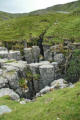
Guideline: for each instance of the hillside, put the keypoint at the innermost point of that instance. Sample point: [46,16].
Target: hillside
[69,7]
[61,104]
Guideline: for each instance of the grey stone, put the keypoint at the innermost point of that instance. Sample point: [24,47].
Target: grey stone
[3,49]
[32,54]
[59,58]
[4,54]
[4,109]
[15,55]
[36,53]
[46,75]
[60,83]
[28,55]
[48,55]
[3,82]
[9,92]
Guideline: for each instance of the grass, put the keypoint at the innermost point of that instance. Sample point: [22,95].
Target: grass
[63,104]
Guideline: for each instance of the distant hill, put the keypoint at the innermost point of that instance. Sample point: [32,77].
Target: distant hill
[69,7]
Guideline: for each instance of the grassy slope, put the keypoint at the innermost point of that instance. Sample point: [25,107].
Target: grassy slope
[67,28]
[63,104]
[24,26]
[32,26]
[27,26]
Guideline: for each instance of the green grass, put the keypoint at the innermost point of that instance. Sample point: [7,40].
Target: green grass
[63,104]
[67,28]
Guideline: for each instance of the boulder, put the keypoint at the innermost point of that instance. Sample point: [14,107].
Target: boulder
[4,109]
[9,92]
[60,83]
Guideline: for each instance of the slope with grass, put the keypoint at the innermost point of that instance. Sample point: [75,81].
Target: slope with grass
[68,28]
[61,104]
[69,7]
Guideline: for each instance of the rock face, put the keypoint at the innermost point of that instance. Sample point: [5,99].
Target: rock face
[11,73]
[32,54]
[57,84]
[41,75]
[46,75]
[26,78]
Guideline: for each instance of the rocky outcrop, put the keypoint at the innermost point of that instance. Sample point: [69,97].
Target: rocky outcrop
[4,53]
[32,54]
[56,84]
[26,78]
[40,75]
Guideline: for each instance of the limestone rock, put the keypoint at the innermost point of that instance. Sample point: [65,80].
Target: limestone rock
[32,54]
[46,75]
[4,109]
[15,55]
[3,82]
[59,58]
[36,53]
[9,92]
[28,55]
[60,83]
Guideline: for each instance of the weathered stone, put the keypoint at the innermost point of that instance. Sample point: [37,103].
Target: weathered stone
[59,58]
[32,54]
[36,53]
[4,109]
[2,62]
[28,55]
[3,82]
[48,55]
[46,75]
[9,92]
[60,83]
[3,54]
[3,49]
[12,78]
[15,55]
